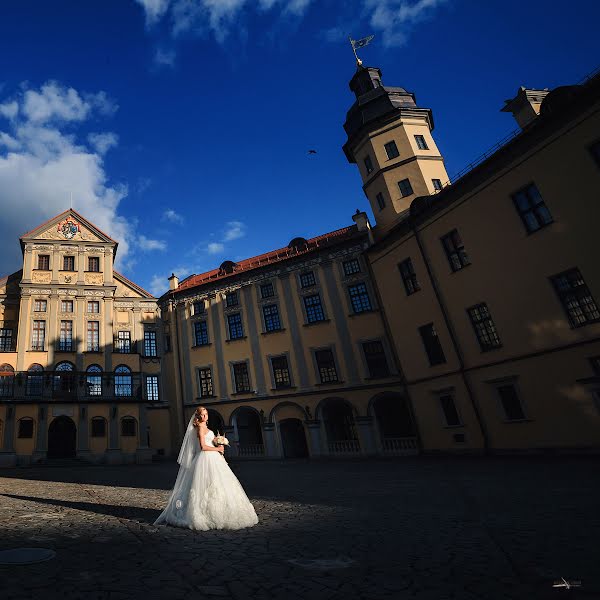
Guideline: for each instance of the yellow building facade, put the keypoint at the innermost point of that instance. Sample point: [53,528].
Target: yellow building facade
[79,351]
[465,319]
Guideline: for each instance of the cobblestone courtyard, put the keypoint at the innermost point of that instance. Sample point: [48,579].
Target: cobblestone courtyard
[425,528]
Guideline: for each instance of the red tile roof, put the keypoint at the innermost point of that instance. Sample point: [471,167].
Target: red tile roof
[269,258]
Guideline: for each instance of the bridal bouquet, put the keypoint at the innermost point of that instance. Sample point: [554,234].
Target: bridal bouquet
[220,440]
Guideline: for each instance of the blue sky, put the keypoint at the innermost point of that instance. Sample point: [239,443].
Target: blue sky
[182,127]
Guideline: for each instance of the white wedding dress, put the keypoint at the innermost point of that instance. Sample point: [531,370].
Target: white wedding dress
[207,495]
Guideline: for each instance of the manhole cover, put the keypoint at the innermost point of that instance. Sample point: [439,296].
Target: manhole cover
[25,556]
[322,564]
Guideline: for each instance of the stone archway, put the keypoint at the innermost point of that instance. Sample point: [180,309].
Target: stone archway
[62,438]
[293,438]
[397,431]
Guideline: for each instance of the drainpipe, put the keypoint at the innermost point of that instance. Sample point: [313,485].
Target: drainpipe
[453,337]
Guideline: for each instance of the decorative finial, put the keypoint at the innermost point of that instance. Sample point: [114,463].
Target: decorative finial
[359,44]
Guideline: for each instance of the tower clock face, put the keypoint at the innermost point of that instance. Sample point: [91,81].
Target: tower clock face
[68,228]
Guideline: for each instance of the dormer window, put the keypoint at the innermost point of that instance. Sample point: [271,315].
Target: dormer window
[68,263]
[94,264]
[44,262]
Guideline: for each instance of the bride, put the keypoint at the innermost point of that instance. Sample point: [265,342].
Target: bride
[206,495]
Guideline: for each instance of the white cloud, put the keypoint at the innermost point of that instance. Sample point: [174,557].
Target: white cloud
[215,248]
[172,216]
[154,10]
[9,109]
[395,19]
[41,166]
[103,142]
[146,244]
[234,231]
[218,17]
[158,285]
[164,58]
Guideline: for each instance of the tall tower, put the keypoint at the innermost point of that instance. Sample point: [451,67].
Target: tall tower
[389,138]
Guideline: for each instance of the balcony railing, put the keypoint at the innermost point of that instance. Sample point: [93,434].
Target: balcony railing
[399,446]
[344,447]
[251,450]
[70,386]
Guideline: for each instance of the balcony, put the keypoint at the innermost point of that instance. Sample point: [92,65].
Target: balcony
[71,386]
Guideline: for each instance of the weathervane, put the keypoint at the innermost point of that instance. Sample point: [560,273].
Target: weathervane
[359,44]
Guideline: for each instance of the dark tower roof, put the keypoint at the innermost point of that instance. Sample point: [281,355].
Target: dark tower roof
[375,105]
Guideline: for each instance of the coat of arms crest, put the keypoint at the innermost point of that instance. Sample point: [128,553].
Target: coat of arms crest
[68,228]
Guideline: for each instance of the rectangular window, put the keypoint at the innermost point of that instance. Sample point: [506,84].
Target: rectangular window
[359,298]
[93,336]
[351,266]
[281,372]
[167,343]
[409,277]
[241,377]
[485,330]
[455,250]
[376,359]
[68,263]
[421,143]
[44,262]
[201,333]
[94,264]
[232,299]
[25,428]
[267,290]
[368,164]
[314,310]
[234,324]
[432,344]
[123,345]
[93,306]
[326,366]
[66,306]
[40,306]
[437,184]
[198,307]
[271,316]
[576,298]
[150,343]
[595,152]
[6,340]
[511,404]
[152,388]
[206,383]
[450,412]
[65,343]
[307,279]
[38,335]
[98,427]
[531,208]
[405,188]
[391,150]
[380,201]
[128,427]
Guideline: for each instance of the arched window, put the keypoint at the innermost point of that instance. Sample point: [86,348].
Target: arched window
[64,379]
[128,427]
[123,381]
[94,380]
[7,380]
[35,380]
[98,427]
[25,428]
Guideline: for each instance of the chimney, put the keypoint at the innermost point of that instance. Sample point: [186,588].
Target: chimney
[525,106]
[173,282]
[362,223]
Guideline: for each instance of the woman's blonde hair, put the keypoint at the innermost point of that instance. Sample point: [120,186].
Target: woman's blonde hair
[197,414]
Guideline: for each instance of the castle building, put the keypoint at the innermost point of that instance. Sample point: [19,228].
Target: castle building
[79,350]
[465,319]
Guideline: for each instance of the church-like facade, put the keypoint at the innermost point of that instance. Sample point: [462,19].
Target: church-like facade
[464,320]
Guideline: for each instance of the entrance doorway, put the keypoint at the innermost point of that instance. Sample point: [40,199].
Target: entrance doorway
[293,438]
[62,438]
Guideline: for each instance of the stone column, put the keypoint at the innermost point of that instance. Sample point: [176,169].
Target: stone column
[27,264]
[8,458]
[53,325]
[143,453]
[113,453]
[268,431]
[83,434]
[231,434]
[314,438]
[366,435]
[41,440]
[80,333]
